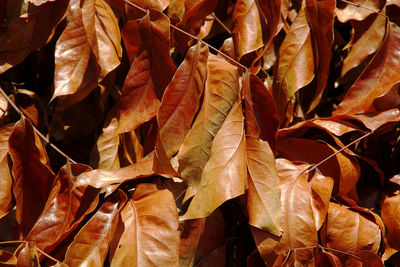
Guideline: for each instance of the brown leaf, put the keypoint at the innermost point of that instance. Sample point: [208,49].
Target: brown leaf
[224,176]
[221,90]
[359,10]
[67,206]
[295,65]
[131,35]
[102,32]
[367,37]
[343,168]
[390,216]
[189,240]
[149,232]
[263,196]
[105,153]
[179,106]
[348,231]
[28,255]
[7,258]
[271,10]
[320,18]
[150,73]
[29,32]
[304,206]
[6,180]
[76,71]
[181,99]
[100,178]
[32,174]
[91,243]
[246,33]
[381,74]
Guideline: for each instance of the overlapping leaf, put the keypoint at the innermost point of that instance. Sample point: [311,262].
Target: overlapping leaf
[90,245]
[148,233]
[5,175]
[220,94]
[32,174]
[381,74]
[224,175]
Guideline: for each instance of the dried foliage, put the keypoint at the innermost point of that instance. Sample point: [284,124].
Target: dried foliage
[199,133]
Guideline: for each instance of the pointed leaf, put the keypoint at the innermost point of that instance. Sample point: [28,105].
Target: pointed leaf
[6,180]
[382,73]
[367,37]
[29,32]
[320,18]
[102,32]
[150,234]
[221,90]
[295,65]
[91,243]
[32,174]
[347,230]
[28,255]
[76,71]
[100,178]
[224,177]
[247,34]
[67,206]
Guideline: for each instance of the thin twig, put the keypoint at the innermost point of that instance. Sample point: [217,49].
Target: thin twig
[193,37]
[365,7]
[221,23]
[21,113]
[337,152]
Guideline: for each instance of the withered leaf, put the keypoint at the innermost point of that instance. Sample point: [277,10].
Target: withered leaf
[224,176]
[381,74]
[32,174]
[295,65]
[246,33]
[26,34]
[220,93]
[149,231]
[347,230]
[91,243]
[66,208]
[6,180]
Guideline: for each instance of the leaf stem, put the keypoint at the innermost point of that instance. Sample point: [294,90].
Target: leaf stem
[221,23]
[21,113]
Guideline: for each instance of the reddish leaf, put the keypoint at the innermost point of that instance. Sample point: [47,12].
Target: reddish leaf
[67,206]
[5,175]
[189,240]
[32,174]
[149,232]
[181,99]
[346,230]
[28,33]
[131,35]
[367,38]
[224,176]
[320,18]
[7,258]
[150,73]
[179,105]
[382,73]
[90,245]
[343,168]
[271,10]
[100,178]
[295,65]
[370,259]
[220,93]
[263,197]
[246,34]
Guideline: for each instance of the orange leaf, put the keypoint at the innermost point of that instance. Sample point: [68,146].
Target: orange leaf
[224,176]
[149,232]
[91,243]
[220,93]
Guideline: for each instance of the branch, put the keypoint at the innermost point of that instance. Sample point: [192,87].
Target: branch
[47,141]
